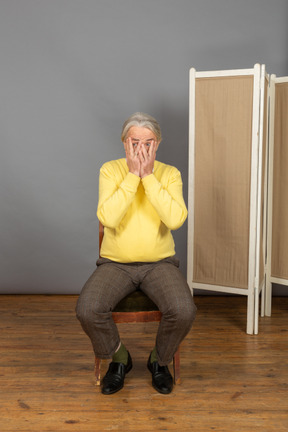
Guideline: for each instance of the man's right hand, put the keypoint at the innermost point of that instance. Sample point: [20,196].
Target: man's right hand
[132,157]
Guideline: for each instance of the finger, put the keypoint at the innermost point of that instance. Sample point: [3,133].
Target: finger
[154,147]
[143,154]
[138,149]
[130,145]
[130,148]
[127,146]
[149,149]
[140,152]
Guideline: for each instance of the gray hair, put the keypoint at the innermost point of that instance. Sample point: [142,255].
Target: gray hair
[142,120]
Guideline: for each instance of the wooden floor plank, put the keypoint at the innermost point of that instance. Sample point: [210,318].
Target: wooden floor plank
[230,380]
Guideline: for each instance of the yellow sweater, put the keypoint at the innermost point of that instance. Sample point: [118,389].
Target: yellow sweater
[138,215]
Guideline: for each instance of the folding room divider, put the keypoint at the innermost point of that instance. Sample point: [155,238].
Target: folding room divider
[277,239]
[227,178]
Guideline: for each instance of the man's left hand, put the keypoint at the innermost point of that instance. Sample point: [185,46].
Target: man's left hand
[147,158]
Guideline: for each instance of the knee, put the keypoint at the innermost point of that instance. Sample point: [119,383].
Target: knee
[89,311]
[80,311]
[84,311]
[192,311]
[184,313]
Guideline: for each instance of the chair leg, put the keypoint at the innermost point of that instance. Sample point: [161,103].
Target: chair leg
[176,367]
[97,370]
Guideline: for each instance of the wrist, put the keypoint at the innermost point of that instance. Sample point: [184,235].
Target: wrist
[137,173]
[146,174]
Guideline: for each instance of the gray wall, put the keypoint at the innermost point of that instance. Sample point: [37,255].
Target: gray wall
[71,72]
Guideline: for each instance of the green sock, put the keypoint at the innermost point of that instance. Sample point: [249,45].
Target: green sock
[153,357]
[121,355]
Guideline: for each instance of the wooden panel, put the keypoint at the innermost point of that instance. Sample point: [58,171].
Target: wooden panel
[223,134]
[279,258]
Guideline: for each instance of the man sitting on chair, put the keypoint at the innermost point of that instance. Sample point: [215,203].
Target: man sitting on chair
[140,202]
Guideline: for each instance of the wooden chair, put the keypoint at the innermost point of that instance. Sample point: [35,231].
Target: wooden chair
[136,307]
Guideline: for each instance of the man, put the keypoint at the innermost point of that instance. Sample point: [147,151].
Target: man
[140,202]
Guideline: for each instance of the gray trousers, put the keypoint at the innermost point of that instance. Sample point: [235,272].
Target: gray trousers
[112,281]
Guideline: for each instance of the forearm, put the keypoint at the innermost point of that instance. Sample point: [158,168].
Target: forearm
[114,200]
[168,203]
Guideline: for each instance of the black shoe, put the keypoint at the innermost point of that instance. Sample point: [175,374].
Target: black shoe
[162,380]
[113,381]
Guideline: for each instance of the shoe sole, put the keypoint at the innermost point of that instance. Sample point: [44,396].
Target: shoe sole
[161,391]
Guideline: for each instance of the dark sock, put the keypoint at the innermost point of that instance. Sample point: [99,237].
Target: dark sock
[153,357]
[121,356]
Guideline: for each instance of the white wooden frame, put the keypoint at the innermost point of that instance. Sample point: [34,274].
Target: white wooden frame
[255,286]
[260,285]
[269,279]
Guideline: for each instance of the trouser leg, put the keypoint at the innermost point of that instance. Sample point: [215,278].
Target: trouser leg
[103,290]
[167,287]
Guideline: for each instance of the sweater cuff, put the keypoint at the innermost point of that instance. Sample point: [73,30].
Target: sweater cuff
[150,182]
[131,182]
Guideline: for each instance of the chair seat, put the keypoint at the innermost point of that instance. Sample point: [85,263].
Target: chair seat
[136,302]
[136,307]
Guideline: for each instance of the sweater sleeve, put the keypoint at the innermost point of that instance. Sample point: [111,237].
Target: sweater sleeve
[168,201]
[115,198]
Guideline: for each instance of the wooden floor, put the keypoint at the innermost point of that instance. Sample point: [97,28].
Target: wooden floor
[230,381]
